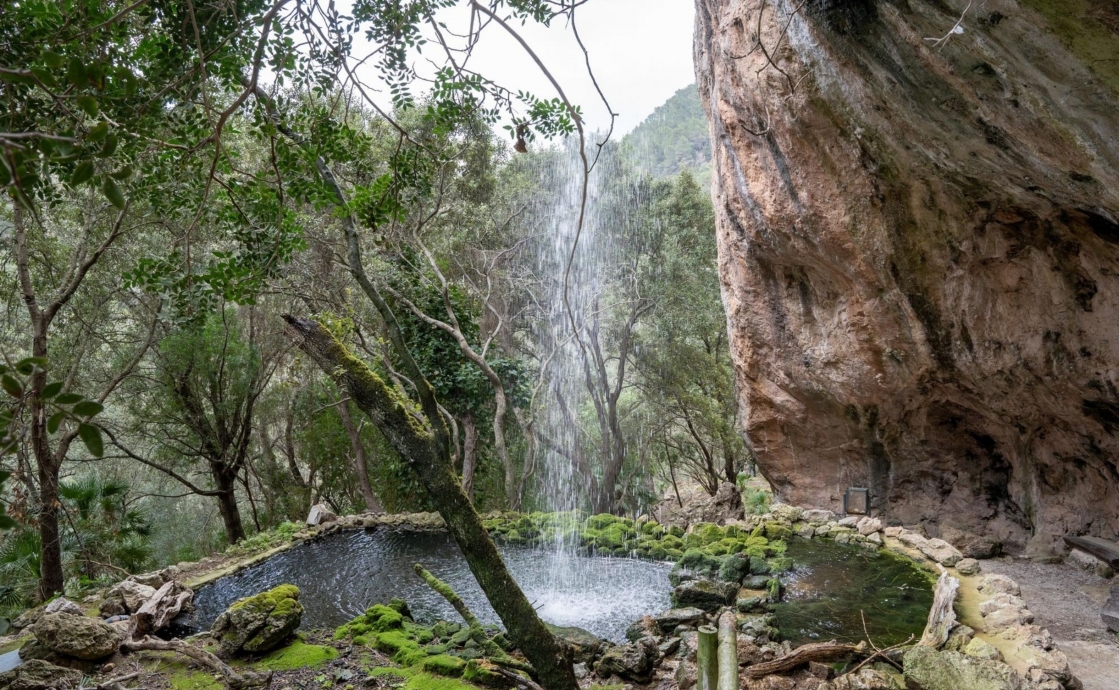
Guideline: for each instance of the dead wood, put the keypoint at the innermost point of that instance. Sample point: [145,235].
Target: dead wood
[823,651]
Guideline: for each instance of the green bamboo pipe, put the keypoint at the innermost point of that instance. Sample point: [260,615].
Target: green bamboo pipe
[707,658]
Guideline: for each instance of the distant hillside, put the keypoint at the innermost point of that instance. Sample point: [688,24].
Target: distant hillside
[674,137]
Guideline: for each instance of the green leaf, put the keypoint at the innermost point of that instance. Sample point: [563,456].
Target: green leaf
[27,365]
[6,522]
[113,193]
[98,132]
[4,474]
[88,104]
[55,421]
[53,59]
[91,437]
[11,386]
[82,173]
[109,148]
[52,389]
[69,399]
[75,72]
[122,174]
[88,408]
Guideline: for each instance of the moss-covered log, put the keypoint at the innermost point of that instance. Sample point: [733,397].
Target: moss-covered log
[477,633]
[414,438]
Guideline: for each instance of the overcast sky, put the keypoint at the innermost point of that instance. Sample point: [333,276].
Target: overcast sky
[641,53]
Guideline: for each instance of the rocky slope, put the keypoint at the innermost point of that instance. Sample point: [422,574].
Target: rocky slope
[917,242]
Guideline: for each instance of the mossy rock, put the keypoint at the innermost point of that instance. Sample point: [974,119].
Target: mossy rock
[780,565]
[700,561]
[601,521]
[775,530]
[676,531]
[377,618]
[259,623]
[443,665]
[658,553]
[653,529]
[674,554]
[734,568]
[672,541]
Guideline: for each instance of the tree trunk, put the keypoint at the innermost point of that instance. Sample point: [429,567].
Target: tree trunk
[226,483]
[50,565]
[469,456]
[416,441]
[371,503]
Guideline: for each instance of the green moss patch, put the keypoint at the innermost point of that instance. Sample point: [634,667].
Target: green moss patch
[297,655]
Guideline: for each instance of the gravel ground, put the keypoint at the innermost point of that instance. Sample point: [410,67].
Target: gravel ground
[1066,601]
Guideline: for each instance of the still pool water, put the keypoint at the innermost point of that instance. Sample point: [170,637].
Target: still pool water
[827,596]
[342,575]
[834,587]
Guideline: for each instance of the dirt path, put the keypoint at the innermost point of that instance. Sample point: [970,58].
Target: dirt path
[1067,600]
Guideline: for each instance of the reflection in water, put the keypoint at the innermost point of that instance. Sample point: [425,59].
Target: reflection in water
[834,586]
[340,576]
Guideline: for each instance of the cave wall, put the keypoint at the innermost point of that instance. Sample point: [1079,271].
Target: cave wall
[918,247]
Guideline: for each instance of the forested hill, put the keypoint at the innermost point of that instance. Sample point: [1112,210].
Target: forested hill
[674,137]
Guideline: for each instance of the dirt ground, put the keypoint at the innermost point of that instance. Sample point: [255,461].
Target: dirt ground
[1067,600]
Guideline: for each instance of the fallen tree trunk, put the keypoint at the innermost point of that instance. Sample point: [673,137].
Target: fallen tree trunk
[824,651]
[942,615]
[234,679]
[418,442]
[160,609]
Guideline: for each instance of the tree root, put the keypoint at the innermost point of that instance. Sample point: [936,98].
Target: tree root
[234,679]
[492,651]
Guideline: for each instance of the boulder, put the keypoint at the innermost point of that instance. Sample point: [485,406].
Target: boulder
[971,545]
[320,515]
[705,594]
[817,517]
[968,566]
[40,675]
[941,551]
[933,670]
[584,646]
[850,521]
[668,620]
[1110,612]
[63,605]
[868,526]
[77,636]
[761,627]
[981,649]
[125,598]
[996,584]
[646,626]
[786,512]
[259,623]
[632,661]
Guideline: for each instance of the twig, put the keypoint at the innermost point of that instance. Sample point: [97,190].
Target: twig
[956,29]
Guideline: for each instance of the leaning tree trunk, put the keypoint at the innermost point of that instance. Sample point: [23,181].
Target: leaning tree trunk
[918,226]
[415,441]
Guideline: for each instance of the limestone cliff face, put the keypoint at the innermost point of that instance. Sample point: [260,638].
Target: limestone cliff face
[919,250]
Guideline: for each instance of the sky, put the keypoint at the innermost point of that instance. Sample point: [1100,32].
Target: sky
[640,51]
